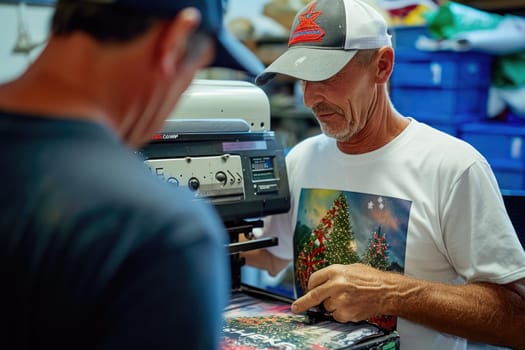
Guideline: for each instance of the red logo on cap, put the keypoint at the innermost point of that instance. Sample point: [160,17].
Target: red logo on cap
[307,30]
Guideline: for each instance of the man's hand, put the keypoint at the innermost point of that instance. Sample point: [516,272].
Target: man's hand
[353,292]
[480,311]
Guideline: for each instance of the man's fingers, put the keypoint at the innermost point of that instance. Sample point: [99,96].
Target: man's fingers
[303,303]
[318,290]
[318,277]
[311,299]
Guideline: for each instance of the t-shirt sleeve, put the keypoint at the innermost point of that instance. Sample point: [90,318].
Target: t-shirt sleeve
[480,240]
[280,226]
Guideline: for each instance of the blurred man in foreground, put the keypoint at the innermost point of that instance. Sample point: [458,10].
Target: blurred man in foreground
[95,251]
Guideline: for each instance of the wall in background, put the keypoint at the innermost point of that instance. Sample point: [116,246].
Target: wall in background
[14,18]
[244,8]
[35,16]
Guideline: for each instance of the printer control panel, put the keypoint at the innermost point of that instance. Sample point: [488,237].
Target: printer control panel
[211,177]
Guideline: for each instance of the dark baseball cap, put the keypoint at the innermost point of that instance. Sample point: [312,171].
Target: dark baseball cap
[325,36]
[231,53]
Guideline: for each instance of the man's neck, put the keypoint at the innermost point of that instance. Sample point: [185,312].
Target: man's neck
[383,125]
[65,84]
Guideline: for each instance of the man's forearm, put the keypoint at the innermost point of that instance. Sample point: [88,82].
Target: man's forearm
[263,259]
[480,312]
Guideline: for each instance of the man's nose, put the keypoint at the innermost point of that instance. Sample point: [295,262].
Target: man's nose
[311,93]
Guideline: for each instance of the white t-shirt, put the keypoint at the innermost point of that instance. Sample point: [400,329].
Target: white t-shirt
[433,198]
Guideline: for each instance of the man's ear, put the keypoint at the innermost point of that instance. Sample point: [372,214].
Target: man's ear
[385,64]
[174,40]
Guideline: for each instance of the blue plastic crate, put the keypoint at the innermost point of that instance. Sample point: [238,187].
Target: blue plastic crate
[441,105]
[405,37]
[496,141]
[441,69]
[513,118]
[510,174]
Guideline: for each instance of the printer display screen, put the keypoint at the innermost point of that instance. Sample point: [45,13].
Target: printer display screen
[263,168]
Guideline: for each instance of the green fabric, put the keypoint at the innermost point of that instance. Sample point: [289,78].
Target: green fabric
[452,18]
[509,70]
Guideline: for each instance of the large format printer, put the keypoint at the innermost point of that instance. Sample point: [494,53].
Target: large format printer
[218,143]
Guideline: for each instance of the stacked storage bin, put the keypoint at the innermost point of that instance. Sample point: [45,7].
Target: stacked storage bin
[444,89]
[503,144]
[449,90]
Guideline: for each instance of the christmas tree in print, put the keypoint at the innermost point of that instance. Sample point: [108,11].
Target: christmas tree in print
[377,253]
[330,242]
[341,248]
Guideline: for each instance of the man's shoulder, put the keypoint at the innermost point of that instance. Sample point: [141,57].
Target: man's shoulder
[314,143]
[438,142]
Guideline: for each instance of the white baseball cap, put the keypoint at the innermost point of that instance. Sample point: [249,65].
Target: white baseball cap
[325,36]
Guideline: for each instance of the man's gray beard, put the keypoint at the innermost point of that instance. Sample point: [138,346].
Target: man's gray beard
[342,136]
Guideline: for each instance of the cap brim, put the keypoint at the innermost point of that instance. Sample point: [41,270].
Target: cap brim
[231,53]
[307,63]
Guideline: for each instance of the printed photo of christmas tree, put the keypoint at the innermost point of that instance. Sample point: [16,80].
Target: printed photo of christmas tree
[337,227]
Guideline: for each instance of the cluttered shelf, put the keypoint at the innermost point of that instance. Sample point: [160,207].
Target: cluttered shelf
[462,72]
[507,6]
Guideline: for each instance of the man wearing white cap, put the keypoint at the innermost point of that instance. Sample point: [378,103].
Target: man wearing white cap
[390,217]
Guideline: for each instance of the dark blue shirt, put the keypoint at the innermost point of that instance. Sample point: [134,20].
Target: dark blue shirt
[98,253]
